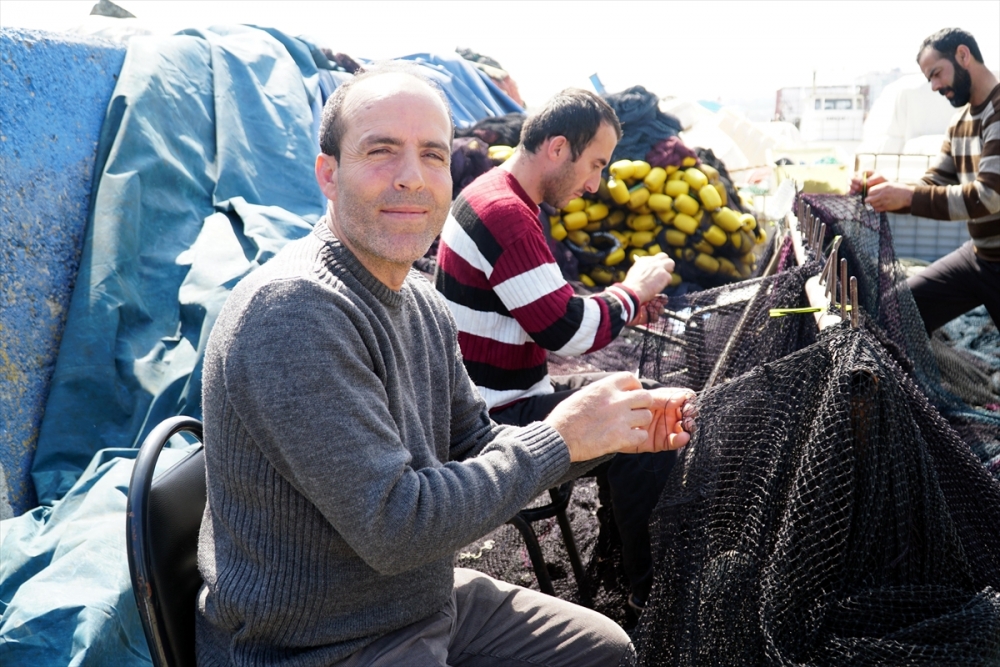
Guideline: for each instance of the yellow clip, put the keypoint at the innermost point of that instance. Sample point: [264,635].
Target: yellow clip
[781,312]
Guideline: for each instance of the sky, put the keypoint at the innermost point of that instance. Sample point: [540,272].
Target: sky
[721,51]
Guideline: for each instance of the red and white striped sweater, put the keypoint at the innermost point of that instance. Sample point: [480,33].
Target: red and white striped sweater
[509,299]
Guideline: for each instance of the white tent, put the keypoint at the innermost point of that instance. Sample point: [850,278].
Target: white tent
[908,117]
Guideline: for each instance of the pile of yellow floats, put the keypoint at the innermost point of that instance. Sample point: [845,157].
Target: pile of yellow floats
[643,210]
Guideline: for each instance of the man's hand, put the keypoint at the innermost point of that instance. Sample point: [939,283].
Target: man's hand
[649,311]
[890,196]
[616,414]
[673,419]
[865,181]
[606,417]
[649,275]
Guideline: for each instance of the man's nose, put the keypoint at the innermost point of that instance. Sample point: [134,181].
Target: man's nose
[410,174]
[593,183]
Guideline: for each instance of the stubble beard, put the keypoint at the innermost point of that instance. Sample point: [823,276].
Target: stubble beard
[558,188]
[358,220]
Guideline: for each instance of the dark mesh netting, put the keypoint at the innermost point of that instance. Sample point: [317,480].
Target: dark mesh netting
[867,244]
[709,336]
[966,375]
[824,515]
[712,335]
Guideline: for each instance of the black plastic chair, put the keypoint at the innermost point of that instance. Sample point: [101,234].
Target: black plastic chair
[162,524]
[523,521]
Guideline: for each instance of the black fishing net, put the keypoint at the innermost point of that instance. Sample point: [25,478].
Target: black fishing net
[643,124]
[975,341]
[824,514]
[496,130]
[965,375]
[712,335]
[867,244]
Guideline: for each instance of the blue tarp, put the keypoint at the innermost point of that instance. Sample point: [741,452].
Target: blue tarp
[472,94]
[197,127]
[65,594]
[204,170]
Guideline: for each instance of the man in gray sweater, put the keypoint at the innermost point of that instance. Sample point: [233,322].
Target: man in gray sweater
[348,454]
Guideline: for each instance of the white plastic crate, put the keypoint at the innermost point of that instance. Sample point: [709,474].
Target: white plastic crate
[926,239]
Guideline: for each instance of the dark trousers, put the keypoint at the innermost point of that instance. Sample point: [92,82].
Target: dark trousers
[634,480]
[955,284]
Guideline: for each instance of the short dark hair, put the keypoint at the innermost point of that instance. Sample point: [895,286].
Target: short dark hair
[331,127]
[947,41]
[574,113]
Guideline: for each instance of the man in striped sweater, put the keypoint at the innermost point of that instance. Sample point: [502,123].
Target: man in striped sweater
[963,184]
[512,305]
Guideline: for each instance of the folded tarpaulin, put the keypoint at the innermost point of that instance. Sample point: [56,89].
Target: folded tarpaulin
[472,94]
[65,592]
[208,126]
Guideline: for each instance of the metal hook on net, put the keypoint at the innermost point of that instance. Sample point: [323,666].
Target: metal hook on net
[800,214]
[851,306]
[808,226]
[821,288]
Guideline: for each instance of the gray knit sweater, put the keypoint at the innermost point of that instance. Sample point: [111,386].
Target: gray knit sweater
[348,457]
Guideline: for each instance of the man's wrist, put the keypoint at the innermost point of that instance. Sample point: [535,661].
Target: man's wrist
[631,299]
[920,201]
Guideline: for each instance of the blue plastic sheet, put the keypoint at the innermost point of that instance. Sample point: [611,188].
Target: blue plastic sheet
[198,125]
[65,593]
[472,94]
[204,170]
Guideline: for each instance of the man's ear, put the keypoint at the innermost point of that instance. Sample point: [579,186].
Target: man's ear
[962,55]
[326,175]
[557,148]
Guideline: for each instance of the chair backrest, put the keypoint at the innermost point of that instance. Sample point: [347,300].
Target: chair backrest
[162,524]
